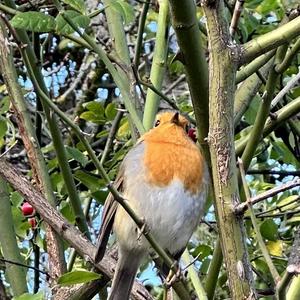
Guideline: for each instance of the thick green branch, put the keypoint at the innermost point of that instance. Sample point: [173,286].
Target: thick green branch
[291,109]
[188,34]
[123,85]
[16,275]
[254,66]
[158,64]
[270,40]
[223,66]
[246,92]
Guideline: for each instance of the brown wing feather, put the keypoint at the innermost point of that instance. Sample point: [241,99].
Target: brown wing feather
[108,216]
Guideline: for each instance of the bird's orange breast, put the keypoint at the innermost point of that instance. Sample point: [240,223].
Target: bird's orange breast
[170,154]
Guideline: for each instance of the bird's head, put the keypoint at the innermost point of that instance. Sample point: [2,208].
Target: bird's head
[171,118]
[170,127]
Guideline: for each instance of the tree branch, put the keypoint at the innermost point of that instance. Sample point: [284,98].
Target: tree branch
[270,40]
[270,193]
[67,231]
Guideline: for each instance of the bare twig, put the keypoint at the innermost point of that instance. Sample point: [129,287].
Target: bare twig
[23,265]
[272,192]
[274,172]
[286,89]
[235,17]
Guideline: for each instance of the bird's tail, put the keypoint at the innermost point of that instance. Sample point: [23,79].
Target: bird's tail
[127,267]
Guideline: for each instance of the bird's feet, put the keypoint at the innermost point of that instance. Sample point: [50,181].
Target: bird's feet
[172,277]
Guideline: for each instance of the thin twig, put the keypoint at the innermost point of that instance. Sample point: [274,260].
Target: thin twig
[235,17]
[270,193]
[25,266]
[286,89]
[111,135]
[274,172]
[139,40]
[9,148]
[263,248]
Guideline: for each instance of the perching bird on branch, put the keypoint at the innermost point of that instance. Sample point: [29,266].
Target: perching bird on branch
[164,178]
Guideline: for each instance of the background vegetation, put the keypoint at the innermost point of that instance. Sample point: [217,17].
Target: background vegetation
[81,81]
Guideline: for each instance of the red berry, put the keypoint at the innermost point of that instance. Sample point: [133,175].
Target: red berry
[192,134]
[32,222]
[27,209]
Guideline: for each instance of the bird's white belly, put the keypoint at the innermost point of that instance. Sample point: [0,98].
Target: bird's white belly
[171,214]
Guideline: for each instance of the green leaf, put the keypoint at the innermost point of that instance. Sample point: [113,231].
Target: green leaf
[77,5]
[67,211]
[3,127]
[275,248]
[96,107]
[91,182]
[92,117]
[77,276]
[288,203]
[102,133]
[77,155]
[16,199]
[100,196]
[202,251]
[4,105]
[111,111]
[124,9]
[62,27]
[27,296]
[33,21]
[269,230]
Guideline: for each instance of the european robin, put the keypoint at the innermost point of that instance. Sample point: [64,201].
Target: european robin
[164,179]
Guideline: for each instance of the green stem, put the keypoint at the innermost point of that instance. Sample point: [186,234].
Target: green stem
[262,114]
[270,40]
[247,91]
[8,9]
[139,40]
[283,284]
[259,237]
[185,24]
[288,111]
[16,275]
[293,292]
[213,272]
[252,67]
[158,64]
[288,58]
[123,85]
[199,290]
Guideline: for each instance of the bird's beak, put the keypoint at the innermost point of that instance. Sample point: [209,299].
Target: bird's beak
[175,118]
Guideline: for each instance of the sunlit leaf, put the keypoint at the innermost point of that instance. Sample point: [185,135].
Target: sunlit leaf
[33,21]
[77,276]
[275,247]
[63,27]
[78,5]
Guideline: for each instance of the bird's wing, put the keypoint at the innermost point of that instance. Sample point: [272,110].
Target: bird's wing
[108,216]
[110,207]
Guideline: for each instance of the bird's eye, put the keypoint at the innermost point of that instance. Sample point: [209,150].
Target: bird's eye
[187,128]
[157,123]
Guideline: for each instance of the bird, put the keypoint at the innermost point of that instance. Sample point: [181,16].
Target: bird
[164,178]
